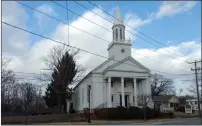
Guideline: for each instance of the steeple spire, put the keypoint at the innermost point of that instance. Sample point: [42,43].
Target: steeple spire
[118,16]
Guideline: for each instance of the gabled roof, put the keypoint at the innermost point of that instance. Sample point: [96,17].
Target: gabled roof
[94,70]
[128,58]
[110,67]
[102,64]
[82,80]
[162,98]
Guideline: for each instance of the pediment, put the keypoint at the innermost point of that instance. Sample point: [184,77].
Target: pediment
[127,64]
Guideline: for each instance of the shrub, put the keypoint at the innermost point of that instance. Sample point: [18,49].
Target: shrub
[119,113]
[72,111]
[150,113]
[135,112]
[129,113]
[157,114]
[181,109]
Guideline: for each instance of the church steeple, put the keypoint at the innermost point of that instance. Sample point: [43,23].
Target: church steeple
[118,28]
[118,16]
[119,48]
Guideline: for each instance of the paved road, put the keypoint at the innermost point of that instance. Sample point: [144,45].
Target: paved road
[193,121]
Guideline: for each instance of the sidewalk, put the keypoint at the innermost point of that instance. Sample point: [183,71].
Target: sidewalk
[117,122]
[106,122]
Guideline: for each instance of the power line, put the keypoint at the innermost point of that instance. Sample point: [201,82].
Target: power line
[93,82]
[67,23]
[137,30]
[61,21]
[183,74]
[110,31]
[71,26]
[74,47]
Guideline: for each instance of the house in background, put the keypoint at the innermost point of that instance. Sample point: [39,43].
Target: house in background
[166,103]
[116,82]
[194,105]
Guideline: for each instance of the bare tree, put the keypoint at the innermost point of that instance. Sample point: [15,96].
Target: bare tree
[161,85]
[144,100]
[51,62]
[7,83]
[28,95]
[16,101]
[180,91]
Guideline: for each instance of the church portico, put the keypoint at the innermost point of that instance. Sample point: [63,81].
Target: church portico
[124,91]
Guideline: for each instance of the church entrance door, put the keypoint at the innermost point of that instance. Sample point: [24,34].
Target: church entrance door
[126,100]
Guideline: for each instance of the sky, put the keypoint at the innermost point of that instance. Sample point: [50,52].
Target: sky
[174,24]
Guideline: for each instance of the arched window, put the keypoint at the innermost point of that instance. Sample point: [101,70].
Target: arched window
[123,34]
[113,35]
[120,34]
[116,34]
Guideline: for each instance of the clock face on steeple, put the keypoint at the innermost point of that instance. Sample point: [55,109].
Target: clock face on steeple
[122,50]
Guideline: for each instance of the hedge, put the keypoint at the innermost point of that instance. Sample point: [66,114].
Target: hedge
[128,113]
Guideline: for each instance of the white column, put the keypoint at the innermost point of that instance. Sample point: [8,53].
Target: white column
[67,106]
[117,99]
[109,93]
[131,98]
[148,86]
[122,92]
[135,90]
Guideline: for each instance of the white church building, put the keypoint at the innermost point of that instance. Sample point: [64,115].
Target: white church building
[116,82]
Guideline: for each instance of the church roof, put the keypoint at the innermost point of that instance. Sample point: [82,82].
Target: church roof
[90,73]
[110,67]
[118,16]
[122,61]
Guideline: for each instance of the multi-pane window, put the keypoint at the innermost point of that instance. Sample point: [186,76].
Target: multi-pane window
[87,92]
[113,35]
[82,95]
[116,34]
[123,35]
[120,34]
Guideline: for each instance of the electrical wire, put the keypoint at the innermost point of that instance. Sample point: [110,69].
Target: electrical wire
[74,47]
[112,32]
[136,30]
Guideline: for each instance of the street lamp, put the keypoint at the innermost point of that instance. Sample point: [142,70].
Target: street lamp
[89,88]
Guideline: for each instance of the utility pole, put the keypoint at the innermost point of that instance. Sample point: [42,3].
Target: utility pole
[197,86]
[89,88]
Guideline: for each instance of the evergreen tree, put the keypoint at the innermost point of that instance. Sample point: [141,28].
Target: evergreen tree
[58,90]
[50,96]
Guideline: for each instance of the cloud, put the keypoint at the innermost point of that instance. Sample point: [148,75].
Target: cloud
[14,41]
[170,8]
[178,65]
[131,19]
[167,8]
[41,19]
[30,59]
[168,42]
